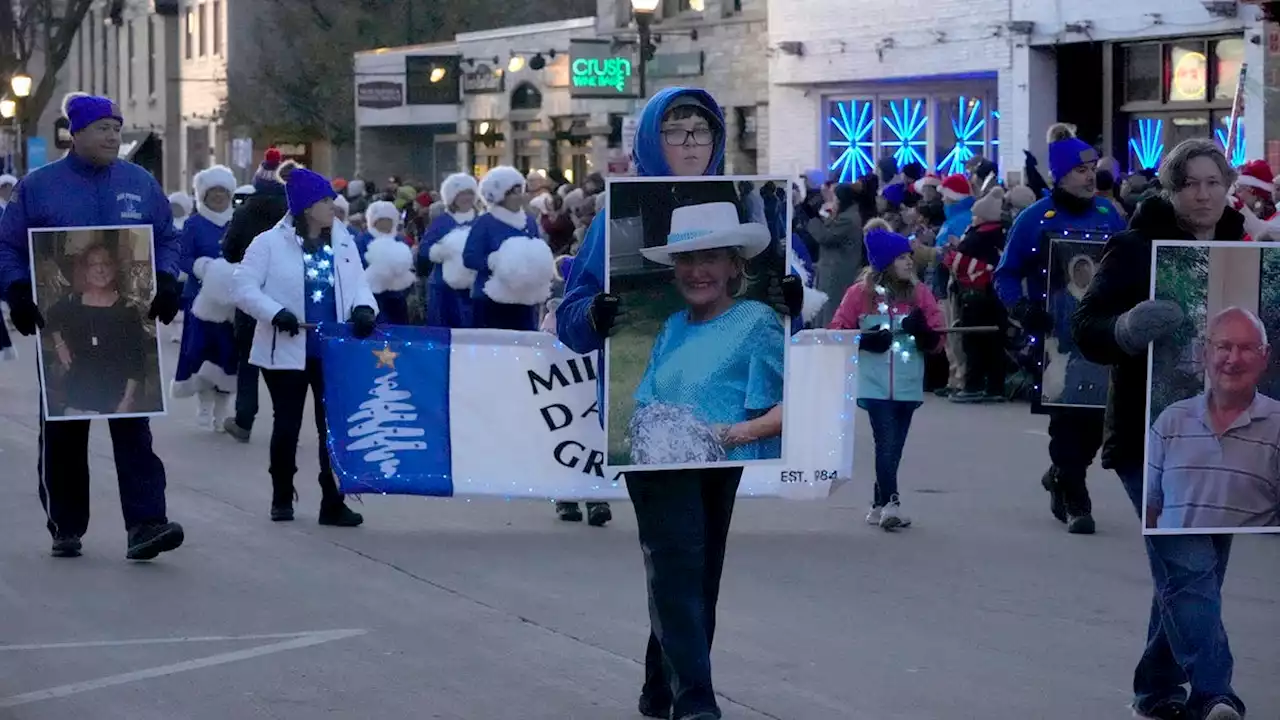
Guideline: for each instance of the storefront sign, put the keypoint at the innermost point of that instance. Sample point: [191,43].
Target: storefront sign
[598,69]
[380,95]
[483,79]
[674,65]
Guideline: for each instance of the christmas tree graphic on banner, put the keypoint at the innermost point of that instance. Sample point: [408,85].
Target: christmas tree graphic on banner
[385,423]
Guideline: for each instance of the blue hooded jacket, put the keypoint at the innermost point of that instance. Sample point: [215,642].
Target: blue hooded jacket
[71,192]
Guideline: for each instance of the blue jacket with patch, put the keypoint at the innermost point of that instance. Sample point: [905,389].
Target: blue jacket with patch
[71,192]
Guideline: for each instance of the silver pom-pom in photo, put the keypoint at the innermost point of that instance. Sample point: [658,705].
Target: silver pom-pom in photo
[663,434]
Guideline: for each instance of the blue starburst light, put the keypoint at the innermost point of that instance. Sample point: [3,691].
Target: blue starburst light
[1148,145]
[1238,156]
[906,124]
[967,124]
[852,123]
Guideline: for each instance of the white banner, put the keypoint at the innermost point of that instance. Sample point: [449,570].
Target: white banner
[524,419]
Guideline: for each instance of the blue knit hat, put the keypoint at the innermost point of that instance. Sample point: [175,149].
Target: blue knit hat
[1067,152]
[883,247]
[306,188]
[83,110]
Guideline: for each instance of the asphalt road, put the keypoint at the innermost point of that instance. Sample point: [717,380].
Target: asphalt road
[488,609]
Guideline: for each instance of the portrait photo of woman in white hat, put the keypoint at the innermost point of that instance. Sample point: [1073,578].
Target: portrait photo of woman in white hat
[696,376]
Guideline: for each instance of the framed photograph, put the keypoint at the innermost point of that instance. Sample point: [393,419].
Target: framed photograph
[99,355]
[1213,438]
[1067,379]
[695,372]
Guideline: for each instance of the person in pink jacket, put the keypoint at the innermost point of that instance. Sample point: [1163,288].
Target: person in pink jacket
[900,322]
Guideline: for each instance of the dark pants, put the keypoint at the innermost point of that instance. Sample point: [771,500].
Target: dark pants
[1186,640]
[64,474]
[890,423]
[288,390]
[1075,435]
[683,518]
[500,316]
[983,352]
[393,307]
[246,374]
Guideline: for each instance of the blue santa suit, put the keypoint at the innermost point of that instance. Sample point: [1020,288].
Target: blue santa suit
[207,358]
[393,305]
[446,306]
[71,192]
[487,235]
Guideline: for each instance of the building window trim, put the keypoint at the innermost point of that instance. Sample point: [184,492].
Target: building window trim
[151,57]
[202,29]
[130,55]
[215,16]
[190,33]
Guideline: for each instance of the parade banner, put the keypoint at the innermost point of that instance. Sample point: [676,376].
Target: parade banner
[429,411]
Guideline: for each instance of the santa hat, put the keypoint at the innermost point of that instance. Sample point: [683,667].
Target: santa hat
[924,182]
[182,200]
[218,176]
[1257,174]
[382,210]
[456,184]
[956,187]
[990,207]
[499,181]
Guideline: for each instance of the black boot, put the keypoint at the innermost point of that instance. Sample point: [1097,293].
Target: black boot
[66,546]
[1078,505]
[282,503]
[598,514]
[337,514]
[148,541]
[1049,481]
[568,512]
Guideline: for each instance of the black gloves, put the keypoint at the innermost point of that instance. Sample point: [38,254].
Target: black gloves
[1032,318]
[875,341]
[787,295]
[286,322]
[424,265]
[915,325]
[605,313]
[363,320]
[168,299]
[22,308]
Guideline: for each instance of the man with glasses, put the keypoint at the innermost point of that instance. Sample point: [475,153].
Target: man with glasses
[1214,459]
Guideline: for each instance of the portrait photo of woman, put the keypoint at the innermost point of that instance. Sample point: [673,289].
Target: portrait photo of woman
[99,354]
[695,371]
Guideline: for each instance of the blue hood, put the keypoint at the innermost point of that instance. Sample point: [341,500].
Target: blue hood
[647,153]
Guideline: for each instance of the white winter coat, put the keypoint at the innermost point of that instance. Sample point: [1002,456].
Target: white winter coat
[270,279]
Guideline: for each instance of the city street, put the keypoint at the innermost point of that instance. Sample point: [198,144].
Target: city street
[491,609]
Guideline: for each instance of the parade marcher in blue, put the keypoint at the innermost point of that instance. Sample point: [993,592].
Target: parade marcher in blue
[207,360]
[306,269]
[181,205]
[91,186]
[514,266]
[7,184]
[683,516]
[1075,433]
[440,255]
[388,262]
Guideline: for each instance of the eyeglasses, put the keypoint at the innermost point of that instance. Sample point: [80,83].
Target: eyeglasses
[680,136]
[1246,350]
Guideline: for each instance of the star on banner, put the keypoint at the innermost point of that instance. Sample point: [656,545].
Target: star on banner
[386,357]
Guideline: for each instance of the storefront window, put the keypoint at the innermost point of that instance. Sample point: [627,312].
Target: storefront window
[959,132]
[1188,71]
[1228,56]
[903,132]
[1142,71]
[1221,123]
[851,138]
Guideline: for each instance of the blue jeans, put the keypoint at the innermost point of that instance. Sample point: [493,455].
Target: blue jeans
[890,422]
[683,518]
[1186,641]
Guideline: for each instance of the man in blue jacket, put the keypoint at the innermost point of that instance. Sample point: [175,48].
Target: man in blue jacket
[683,516]
[1075,434]
[91,186]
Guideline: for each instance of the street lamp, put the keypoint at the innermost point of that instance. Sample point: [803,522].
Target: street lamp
[21,85]
[8,108]
[643,11]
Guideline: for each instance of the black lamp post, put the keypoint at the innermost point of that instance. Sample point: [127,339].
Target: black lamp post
[643,11]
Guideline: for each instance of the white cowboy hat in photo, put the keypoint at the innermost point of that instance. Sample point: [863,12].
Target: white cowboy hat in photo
[706,227]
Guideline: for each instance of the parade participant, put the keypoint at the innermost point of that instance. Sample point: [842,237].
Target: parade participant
[91,186]
[1253,198]
[683,516]
[7,183]
[900,323]
[513,265]
[1075,433]
[449,297]
[207,359]
[1114,325]
[259,213]
[180,205]
[305,269]
[388,261]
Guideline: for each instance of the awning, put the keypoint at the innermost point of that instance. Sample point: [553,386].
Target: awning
[132,142]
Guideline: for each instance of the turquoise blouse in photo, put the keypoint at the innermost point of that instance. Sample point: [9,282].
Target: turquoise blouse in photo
[728,369]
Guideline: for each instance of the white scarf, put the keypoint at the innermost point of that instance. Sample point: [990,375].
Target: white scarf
[514,218]
[462,216]
[217,218]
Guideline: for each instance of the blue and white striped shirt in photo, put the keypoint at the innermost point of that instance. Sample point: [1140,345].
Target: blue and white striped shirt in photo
[1202,480]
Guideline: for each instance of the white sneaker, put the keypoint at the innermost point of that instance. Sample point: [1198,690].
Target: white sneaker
[873,517]
[221,411]
[891,517]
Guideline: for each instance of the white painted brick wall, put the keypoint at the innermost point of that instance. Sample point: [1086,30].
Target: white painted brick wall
[1122,19]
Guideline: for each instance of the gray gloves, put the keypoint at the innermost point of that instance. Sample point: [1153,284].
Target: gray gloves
[1145,323]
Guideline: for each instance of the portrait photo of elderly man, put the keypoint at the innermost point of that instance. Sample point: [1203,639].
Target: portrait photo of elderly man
[1213,460]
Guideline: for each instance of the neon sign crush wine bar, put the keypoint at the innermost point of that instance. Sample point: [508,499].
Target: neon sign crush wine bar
[600,69]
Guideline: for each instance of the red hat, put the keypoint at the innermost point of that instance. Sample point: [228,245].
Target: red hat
[956,187]
[1257,174]
[423,199]
[271,159]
